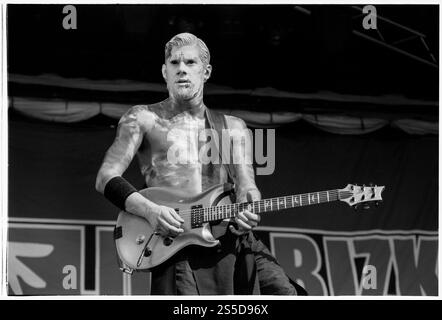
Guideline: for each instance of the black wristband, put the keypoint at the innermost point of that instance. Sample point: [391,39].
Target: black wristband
[117,190]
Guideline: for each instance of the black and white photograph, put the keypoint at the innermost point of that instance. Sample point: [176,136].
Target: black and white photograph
[252,149]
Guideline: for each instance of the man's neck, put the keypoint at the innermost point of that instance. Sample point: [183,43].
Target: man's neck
[195,107]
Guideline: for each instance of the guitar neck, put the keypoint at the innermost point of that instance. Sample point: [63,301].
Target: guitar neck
[227,211]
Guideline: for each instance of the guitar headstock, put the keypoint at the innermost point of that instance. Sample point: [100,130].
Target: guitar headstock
[355,195]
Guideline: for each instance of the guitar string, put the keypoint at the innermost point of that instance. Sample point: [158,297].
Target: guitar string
[263,201]
[206,211]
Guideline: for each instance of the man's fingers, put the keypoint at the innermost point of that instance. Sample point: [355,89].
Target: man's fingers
[253,195]
[161,227]
[175,230]
[170,218]
[248,217]
[243,224]
[242,216]
[166,228]
[176,215]
[251,216]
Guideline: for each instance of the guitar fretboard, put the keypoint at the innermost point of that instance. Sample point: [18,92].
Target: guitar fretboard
[227,211]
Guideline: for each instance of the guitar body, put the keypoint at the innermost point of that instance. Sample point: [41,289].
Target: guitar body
[140,248]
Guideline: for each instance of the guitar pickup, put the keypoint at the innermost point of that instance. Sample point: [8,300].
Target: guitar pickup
[197,216]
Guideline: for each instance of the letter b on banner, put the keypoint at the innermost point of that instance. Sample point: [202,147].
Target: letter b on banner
[300,257]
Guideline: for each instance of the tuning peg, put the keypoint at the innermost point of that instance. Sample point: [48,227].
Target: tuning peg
[366,206]
[356,207]
[376,203]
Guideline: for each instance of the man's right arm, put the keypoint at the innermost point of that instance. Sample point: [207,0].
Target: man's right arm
[129,136]
[132,127]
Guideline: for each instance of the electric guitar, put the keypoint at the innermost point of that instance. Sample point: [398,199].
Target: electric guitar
[140,247]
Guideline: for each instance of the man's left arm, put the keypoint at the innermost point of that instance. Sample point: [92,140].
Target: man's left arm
[245,186]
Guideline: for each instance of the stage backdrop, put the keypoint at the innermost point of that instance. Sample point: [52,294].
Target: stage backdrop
[60,228]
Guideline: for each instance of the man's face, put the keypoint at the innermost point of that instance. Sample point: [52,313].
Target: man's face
[185,73]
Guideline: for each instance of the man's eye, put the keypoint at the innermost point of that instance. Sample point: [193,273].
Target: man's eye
[174,62]
[190,61]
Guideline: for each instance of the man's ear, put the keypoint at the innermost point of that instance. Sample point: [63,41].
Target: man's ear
[207,72]
[163,71]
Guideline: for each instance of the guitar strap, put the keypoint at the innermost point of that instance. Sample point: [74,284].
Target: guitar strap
[217,121]
[245,274]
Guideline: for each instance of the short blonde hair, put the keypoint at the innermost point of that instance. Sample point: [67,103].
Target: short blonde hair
[187,39]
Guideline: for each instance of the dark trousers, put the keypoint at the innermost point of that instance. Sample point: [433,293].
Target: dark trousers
[241,265]
[272,278]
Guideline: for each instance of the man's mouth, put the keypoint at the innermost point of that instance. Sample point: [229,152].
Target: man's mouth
[183,81]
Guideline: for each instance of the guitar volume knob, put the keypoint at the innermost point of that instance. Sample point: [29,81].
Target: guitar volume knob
[147,252]
[167,241]
[140,239]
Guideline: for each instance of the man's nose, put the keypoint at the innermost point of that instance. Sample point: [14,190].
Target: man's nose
[182,67]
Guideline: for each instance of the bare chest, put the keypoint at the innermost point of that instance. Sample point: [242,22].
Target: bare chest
[180,134]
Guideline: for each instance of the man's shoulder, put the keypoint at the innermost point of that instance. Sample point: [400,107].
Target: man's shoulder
[231,122]
[146,110]
[137,109]
[234,122]
[144,115]
[157,108]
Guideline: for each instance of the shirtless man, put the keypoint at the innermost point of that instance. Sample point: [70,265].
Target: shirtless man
[146,130]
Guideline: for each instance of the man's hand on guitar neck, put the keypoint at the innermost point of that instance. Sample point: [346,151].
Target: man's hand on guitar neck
[246,220]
